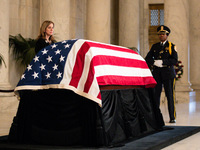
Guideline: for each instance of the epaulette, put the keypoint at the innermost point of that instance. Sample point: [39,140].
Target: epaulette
[170,47]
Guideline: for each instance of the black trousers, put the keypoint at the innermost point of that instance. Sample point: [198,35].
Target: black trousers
[169,87]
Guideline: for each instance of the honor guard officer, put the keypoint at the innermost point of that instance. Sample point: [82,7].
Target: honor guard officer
[161,59]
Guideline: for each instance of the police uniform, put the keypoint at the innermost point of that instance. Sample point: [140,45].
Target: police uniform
[165,73]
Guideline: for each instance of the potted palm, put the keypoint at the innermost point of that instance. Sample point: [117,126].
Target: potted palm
[23,49]
[134,48]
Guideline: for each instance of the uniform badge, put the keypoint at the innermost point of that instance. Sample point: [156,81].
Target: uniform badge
[161,51]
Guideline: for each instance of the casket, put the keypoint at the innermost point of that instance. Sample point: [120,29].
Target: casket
[81,92]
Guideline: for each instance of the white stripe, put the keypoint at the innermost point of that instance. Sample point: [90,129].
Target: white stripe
[86,68]
[70,62]
[103,51]
[94,89]
[121,71]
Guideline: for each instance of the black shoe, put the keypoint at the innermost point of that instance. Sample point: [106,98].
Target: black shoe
[172,121]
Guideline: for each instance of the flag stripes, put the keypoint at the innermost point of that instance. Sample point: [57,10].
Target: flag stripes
[83,65]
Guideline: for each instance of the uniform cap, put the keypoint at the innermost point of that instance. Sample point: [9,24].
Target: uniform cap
[163,29]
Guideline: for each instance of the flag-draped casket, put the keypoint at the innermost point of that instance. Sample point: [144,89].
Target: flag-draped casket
[83,66]
[61,91]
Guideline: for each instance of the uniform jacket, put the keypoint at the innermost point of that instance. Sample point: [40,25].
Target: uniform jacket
[158,52]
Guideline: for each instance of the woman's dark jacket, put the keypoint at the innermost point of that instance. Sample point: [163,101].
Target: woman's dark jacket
[40,44]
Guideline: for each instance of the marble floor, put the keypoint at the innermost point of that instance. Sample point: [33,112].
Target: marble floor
[188,114]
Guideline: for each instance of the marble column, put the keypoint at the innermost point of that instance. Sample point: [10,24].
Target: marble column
[24,19]
[57,11]
[4,49]
[77,18]
[177,19]
[194,44]
[129,23]
[98,20]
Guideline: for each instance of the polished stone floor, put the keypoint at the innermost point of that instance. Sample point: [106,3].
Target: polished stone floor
[188,114]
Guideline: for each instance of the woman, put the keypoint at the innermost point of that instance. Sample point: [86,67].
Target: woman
[45,37]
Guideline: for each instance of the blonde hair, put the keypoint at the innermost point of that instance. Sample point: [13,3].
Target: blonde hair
[43,27]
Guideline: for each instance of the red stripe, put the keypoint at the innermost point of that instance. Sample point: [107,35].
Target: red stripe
[79,64]
[121,80]
[103,60]
[99,95]
[111,47]
[90,77]
[118,61]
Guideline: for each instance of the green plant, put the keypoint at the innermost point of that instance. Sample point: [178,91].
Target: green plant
[134,48]
[2,60]
[23,49]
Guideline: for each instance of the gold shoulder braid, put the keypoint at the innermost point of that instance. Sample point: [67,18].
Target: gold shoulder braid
[170,48]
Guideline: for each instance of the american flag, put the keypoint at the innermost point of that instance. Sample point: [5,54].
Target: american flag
[82,66]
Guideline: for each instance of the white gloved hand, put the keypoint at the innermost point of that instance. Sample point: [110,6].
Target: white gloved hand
[158,63]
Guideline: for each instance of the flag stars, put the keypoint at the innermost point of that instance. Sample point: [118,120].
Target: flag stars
[42,67]
[54,46]
[59,75]
[36,58]
[44,51]
[48,75]
[49,59]
[67,45]
[57,51]
[29,67]
[35,75]
[55,67]
[62,58]
[23,76]
[64,41]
